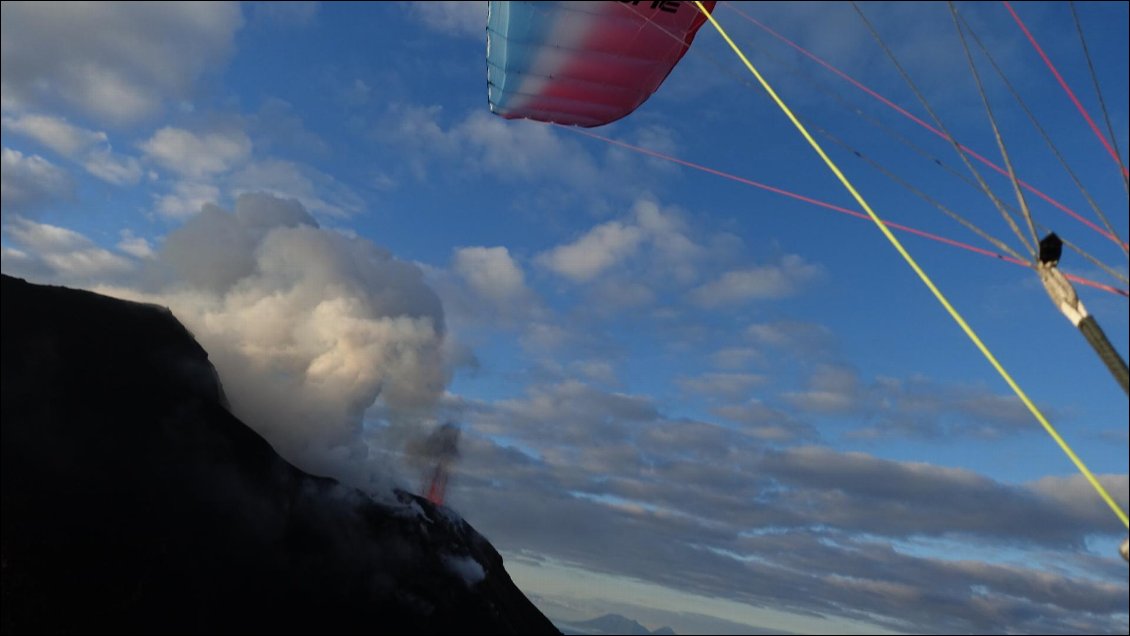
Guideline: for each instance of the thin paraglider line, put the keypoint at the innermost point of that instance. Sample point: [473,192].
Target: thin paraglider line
[909,143]
[1021,201]
[905,113]
[835,208]
[1066,88]
[1044,133]
[923,276]
[995,242]
[1099,94]
[981,183]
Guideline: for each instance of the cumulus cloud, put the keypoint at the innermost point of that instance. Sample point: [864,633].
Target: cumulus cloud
[27,182]
[546,336]
[278,126]
[197,156]
[484,143]
[671,252]
[722,385]
[806,529]
[598,371]
[114,62]
[491,272]
[319,192]
[186,199]
[568,411]
[792,335]
[208,164]
[597,250]
[285,14]
[832,389]
[764,422]
[736,357]
[113,168]
[89,148]
[484,146]
[60,254]
[738,514]
[453,18]
[765,282]
[483,290]
[1076,494]
[914,407]
[55,133]
[887,496]
[136,246]
[307,327]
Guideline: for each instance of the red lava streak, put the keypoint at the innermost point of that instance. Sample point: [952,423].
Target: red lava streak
[437,485]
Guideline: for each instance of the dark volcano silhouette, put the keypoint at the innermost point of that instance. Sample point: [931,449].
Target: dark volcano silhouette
[133,501]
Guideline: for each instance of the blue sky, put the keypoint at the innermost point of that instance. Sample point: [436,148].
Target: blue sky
[684,399]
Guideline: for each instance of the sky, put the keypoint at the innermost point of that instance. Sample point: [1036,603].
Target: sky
[680,397]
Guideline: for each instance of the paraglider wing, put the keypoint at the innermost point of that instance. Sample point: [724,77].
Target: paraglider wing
[583,63]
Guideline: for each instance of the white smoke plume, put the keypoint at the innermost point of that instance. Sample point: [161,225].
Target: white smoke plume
[307,327]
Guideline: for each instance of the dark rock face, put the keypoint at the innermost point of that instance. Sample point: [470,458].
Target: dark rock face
[133,501]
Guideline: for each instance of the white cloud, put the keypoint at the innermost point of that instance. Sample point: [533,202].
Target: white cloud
[318,191]
[116,62]
[453,18]
[1077,495]
[218,162]
[569,412]
[482,142]
[27,182]
[913,407]
[136,246]
[599,249]
[491,272]
[485,289]
[763,422]
[766,282]
[790,334]
[831,389]
[56,133]
[87,147]
[187,199]
[744,519]
[516,149]
[725,385]
[736,357]
[277,126]
[601,371]
[285,14]
[676,253]
[197,156]
[614,295]
[545,336]
[659,234]
[65,255]
[113,168]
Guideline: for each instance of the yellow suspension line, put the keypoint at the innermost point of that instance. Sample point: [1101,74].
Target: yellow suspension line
[922,275]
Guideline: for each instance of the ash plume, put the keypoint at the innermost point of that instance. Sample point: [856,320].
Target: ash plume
[307,327]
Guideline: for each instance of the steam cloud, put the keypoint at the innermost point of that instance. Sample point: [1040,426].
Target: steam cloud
[307,327]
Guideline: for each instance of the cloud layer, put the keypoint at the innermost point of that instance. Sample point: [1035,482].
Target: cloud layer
[115,63]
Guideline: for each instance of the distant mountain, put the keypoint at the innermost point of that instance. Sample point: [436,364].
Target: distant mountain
[611,624]
[134,502]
